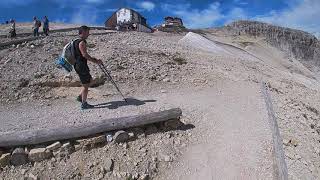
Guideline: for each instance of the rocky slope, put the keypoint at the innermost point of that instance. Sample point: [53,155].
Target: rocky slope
[191,72]
[299,44]
[28,69]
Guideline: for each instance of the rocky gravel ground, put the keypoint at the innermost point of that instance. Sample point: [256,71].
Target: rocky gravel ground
[29,71]
[298,119]
[145,66]
[143,154]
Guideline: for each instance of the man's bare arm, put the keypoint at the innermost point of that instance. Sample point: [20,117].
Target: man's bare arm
[83,50]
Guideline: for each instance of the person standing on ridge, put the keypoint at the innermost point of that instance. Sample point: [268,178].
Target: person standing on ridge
[13,28]
[46,25]
[36,25]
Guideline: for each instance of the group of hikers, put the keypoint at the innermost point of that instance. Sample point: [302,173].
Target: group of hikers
[35,26]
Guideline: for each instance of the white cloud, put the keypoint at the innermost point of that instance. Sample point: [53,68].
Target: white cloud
[302,14]
[85,15]
[240,2]
[8,3]
[94,1]
[195,18]
[209,17]
[86,11]
[236,14]
[110,10]
[60,20]
[146,5]
[78,3]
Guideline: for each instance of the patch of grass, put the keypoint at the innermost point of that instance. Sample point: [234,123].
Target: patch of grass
[245,43]
[120,67]
[312,109]
[170,63]
[91,45]
[161,54]
[180,60]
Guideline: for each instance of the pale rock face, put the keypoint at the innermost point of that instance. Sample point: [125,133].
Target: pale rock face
[299,44]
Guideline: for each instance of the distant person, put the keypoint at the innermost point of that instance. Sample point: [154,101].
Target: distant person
[134,26]
[36,26]
[46,25]
[13,28]
[81,65]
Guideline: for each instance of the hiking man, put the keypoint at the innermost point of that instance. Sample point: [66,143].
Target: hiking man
[13,28]
[81,65]
[36,25]
[45,25]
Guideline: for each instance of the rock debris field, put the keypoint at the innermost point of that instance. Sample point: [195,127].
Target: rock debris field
[213,75]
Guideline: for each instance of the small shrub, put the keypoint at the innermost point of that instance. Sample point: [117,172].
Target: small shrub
[180,60]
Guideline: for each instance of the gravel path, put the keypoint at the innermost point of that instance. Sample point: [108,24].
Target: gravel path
[231,137]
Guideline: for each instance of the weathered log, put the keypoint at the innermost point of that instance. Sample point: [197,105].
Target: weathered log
[29,137]
[27,39]
[19,41]
[280,169]
[59,30]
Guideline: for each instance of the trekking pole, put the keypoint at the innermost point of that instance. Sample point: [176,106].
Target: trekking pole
[105,71]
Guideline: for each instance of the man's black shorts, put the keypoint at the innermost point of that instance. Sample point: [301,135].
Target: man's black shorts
[83,71]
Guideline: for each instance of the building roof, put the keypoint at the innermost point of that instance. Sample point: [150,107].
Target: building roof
[174,18]
[133,11]
[124,8]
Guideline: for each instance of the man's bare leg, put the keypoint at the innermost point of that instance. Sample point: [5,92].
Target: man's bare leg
[84,92]
[84,95]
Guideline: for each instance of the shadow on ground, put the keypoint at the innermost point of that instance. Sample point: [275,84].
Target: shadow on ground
[128,102]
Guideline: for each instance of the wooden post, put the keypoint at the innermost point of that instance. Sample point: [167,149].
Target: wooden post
[279,163]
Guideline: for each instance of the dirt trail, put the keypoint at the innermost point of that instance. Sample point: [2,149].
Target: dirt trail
[231,138]
[234,139]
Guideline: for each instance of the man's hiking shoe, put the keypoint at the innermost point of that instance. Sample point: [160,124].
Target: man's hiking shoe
[79,98]
[85,105]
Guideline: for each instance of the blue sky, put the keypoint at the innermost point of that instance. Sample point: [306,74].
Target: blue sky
[300,14]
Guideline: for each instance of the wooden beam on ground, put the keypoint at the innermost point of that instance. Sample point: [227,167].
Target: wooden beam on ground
[59,30]
[19,41]
[27,39]
[279,163]
[30,137]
